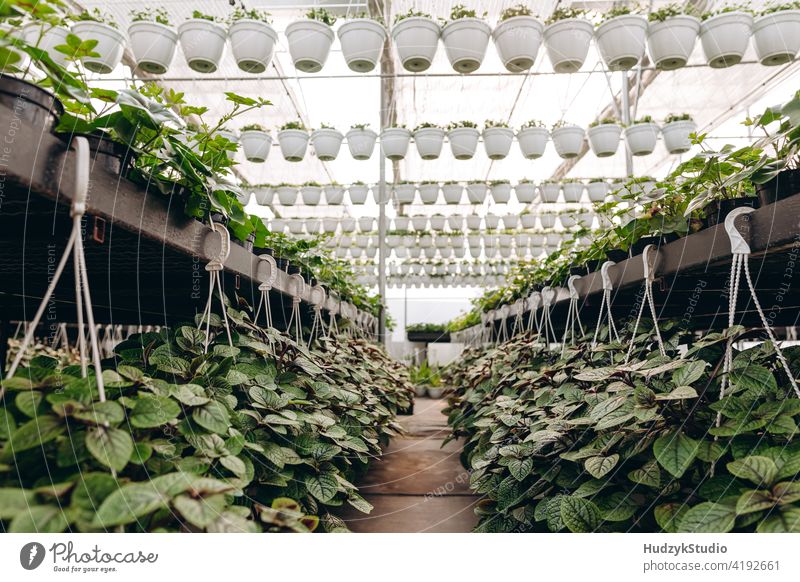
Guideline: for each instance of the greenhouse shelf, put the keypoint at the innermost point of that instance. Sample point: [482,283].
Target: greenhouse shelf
[146,259]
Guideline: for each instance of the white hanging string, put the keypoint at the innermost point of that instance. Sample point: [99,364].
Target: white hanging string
[649,277]
[264,288]
[502,335]
[297,285]
[548,295]
[573,315]
[214,268]
[605,305]
[318,324]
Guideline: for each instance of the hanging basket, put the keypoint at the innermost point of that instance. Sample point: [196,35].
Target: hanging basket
[549,192]
[533,141]
[110,45]
[47,38]
[465,41]
[641,138]
[573,191]
[311,195]
[264,195]
[429,193]
[510,222]
[604,139]
[394,143]
[358,193]
[256,145]
[401,223]
[296,225]
[452,193]
[526,192]
[361,143]
[203,43]
[476,192]
[362,42]
[501,193]
[330,225]
[597,191]
[309,44]
[777,37]
[253,44]
[404,193]
[334,195]
[416,40]
[548,220]
[153,46]
[528,220]
[567,42]
[492,221]
[326,143]
[474,222]
[463,142]
[366,224]
[497,142]
[725,38]
[294,143]
[455,222]
[676,136]
[672,41]
[287,195]
[420,223]
[348,225]
[621,41]
[429,141]
[568,140]
[437,223]
[517,41]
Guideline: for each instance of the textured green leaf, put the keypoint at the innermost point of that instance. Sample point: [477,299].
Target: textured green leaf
[679,393]
[111,446]
[14,501]
[688,373]
[108,412]
[39,519]
[787,520]
[213,417]
[755,468]
[752,501]
[129,503]
[649,474]
[580,515]
[675,452]
[600,466]
[520,468]
[669,516]
[323,486]
[33,433]
[152,411]
[200,512]
[708,517]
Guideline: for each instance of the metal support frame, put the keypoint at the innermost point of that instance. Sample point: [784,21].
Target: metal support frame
[626,121]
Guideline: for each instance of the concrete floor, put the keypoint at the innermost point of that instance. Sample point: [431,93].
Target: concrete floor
[417,486]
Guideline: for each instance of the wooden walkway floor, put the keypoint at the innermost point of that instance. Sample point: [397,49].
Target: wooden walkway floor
[417,486]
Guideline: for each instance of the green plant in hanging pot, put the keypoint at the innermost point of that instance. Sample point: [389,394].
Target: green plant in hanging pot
[153,40]
[253,39]
[203,41]
[310,40]
[465,37]
[567,35]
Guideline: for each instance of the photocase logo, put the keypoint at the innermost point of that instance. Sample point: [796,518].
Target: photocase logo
[31,555]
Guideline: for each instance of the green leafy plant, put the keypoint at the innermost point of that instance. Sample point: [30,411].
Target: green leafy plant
[565,14]
[459,11]
[427,125]
[516,10]
[200,15]
[460,124]
[411,14]
[240,13]
[774,7]
[298,125]
[491,123]
[321,15]
[253,127]
[148,14]
[533,123]
[673,117]
[604,121]
[95,15]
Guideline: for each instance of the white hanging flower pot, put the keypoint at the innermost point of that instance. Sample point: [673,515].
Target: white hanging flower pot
[376,194]
[476,192]
[777,37]
[253,44]
[358,193]
[526,192]
[404,193]
[311,195]
[597,191]
[510,221]
[537,239]
[256,144]
[294,143]
[287,195]
[475,251]
[309,44]
[567,42]
[47,38]
[497,142]
[492,221]
[672,41]
[725,38]
[362,241]
[348,224]
[243,197]
[361,142]
[533,141]
[394,143]
[585,219]
[474,240]
[362,42]
[567,220]
[401,223]
[676,135]
[110,45]
[264,195]
[420,223]
[474,222]
[604,139]
[370,252]
[522,239]
[295,225]
[429,141]
[366,224]
[416,39]
[501,192]
[455,222]
[437,222]
[393,240]
[334,194]
[326,143]
[528,220]
[452,193]
[549,191]
[572,191]
[641,138]
[465,41]
[568,140]
[621,41]
[153,45]
[277,225]
[517,41]
[463,142]
[426,241]
[312,226]
[330,225]
[429,193]
[202,42]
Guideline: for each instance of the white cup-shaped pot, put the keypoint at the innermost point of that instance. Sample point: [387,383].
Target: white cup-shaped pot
[296,225]
[492,222]
[348,224]
[641,138]
[429,141]
[287,195]
[334,194]
[604,139]
[264,195]
[497,142]
[597,191]
[567,220]
[153,45]
[394,143]
[463,142]
[313,225]
[366,224]
[256,145]
[362,42]
[526,192]
[429,193]
[309,44]
[401,222]
[621,41]
[474,222]
[521,239]
[672,41]
[452,193]
[253,44]
[501,193]
[528,220]
[465,41]
[294,143]
[476,192]
[777,37]
[568,140]
[549,192]
[533,141]
[437,223]
[455,222]
[379,197]
[330,225]
[510,221]
[361,143]
[573,191]
[725,38]
[110,45]
[47,38]
[416,40]
[311,195]
[517,41]
[548,220]
[567,42]
[676,136]
[326,143]
[203,43]
[420,223]
[404,193]
[277,225]
[358,193]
